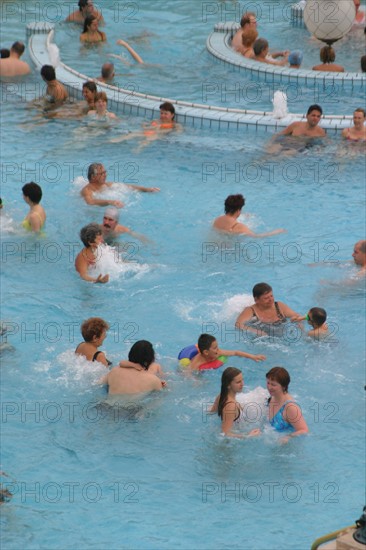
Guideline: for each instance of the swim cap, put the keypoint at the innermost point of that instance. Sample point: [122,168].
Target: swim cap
[112,212]
[295,57]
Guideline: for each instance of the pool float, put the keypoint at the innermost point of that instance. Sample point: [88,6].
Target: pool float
[186,355]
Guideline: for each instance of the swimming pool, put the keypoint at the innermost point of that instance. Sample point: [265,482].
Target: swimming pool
[86,476]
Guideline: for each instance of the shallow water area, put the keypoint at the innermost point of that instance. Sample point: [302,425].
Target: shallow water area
[89,472]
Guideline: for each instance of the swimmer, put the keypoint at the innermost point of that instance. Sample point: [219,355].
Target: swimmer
[208,350]
[91,34]
[264,316]
[359,256]
[358,131]
[134,54]
[12,65]
[309,128]
[94,332]
[107,73]
[156,129]
[89,91]
[111,228]
[100,112]
[56,93]
[226,405]
[247,22]
[86,8]
[283,412]
[228,222]
[316,317]
[142,356]
[327,57]
[97,176]
[248,39]
[295,59]
[91,237]
[134,376]
[261,53]
[36,217]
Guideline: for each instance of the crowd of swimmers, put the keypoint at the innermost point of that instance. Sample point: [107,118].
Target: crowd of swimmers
[140,372]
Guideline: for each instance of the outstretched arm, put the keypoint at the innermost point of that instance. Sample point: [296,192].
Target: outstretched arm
[238,353]
[134,54]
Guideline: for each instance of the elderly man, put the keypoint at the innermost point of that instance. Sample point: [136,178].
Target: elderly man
[107,73]
[12,65]
[97,176]
[86,8]
[111,228]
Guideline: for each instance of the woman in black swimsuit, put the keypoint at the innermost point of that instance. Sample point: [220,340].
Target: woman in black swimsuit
[94,332]
[265,314]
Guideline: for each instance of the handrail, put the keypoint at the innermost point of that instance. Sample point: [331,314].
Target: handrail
[330,536]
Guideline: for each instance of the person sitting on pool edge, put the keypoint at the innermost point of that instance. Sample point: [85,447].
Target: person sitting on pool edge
[208,351]
[91,237]
[228,222]
[265,317]
[36,217]
[94,332]
[316,317]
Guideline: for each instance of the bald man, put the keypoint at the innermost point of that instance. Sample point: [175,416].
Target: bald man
[359,255]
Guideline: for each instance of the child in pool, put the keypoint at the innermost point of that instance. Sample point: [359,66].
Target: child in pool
[208,350]
[316,318]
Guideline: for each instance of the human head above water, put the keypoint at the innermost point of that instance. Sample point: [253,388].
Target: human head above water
[317,316]
[167,106]
[327,54]
[205,341]
[281,376]
[18,48]
[89,233]
[261,288]
[233,203]
[107,71]
[93,328]
[248,18]
[90,85]
[88,21]
[33,192]
[101,95]
[142,352]
[48,73]
[314,107]
[248,37]
[260,45]
[227,377]
[93,169]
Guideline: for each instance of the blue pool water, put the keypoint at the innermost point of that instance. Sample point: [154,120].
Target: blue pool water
[159,476]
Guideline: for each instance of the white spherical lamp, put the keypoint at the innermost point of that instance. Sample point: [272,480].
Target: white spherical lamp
[329,20]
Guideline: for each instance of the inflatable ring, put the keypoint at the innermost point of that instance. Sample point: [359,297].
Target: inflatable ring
[186,355]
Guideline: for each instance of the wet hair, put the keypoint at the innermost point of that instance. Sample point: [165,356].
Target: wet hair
[91,86]
[88,21]
[327,54]
[245,18]
[260,45]
[4,53]
[107,70]
[33,192]
[318,316]
[363,62]
[227,377]
[249,37]
[101,95]
[314,107]
[234,203]
[48,72]
[360,110]
[280,375]
[205,341]
[18,47]
[89,233]
[142,352]
[167,106]
[93,327]
[82,4]
[261,288]
[92,170]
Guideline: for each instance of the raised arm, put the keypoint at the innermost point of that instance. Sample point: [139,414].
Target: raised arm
[134,54]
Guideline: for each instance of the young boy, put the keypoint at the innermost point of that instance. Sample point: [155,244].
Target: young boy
[208,351]
[316,318]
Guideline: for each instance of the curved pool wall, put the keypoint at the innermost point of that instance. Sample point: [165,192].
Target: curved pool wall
[219,45]
[40,45]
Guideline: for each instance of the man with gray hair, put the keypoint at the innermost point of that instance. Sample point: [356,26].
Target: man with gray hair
[97,176]
[111,228]
[107,73]
[359,255]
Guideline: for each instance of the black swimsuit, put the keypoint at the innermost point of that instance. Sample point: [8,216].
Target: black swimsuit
[109,363]
[269,328]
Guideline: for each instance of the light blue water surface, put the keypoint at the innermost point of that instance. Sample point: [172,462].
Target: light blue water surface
[159,476]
